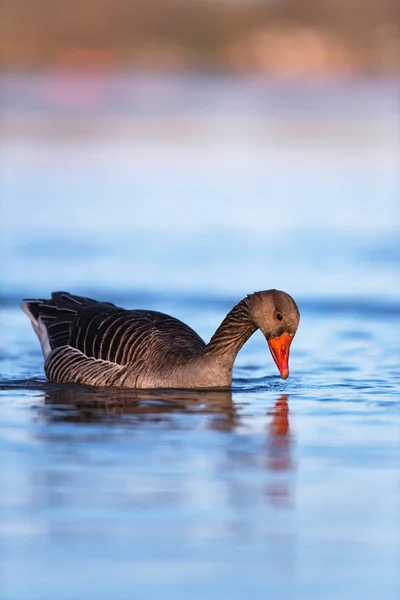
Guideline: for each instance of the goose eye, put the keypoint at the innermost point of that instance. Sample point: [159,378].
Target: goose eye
[279,316]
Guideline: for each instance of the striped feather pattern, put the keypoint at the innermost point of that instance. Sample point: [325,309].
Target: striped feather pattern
[98,343]
[233,332]
[69,365]
[125,336]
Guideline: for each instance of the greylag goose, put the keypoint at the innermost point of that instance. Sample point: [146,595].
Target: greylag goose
[100,344]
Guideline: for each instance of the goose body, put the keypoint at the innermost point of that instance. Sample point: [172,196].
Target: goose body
[100,344]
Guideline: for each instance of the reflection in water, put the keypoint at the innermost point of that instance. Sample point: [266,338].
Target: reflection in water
[158,468]
[165,458]
[96,405]
[90,405]
[280,422]
[279,452]
[76,403]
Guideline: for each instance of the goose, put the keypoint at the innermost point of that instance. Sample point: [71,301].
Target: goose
[100,344]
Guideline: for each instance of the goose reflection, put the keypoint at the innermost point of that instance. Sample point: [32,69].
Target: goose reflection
[80,404]
[88,404]
[218,455]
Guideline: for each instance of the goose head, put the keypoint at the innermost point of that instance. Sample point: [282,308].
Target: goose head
[277,315]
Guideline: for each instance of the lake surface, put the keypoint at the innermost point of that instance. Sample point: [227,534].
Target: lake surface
[184,195]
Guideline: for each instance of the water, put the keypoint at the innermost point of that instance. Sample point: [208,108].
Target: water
[277,487]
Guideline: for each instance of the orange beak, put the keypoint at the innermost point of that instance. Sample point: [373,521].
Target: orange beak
[280,352]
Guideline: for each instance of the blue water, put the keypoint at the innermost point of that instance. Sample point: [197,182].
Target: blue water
[280,488]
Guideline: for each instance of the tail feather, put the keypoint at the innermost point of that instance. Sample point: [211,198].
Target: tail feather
[61,299]
[51,319]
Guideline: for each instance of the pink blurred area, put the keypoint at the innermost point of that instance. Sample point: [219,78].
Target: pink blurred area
[84,50]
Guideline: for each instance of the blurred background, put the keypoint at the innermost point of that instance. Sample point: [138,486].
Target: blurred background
[177,155]
[231,141]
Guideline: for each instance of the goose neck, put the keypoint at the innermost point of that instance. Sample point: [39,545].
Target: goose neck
[230,336]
